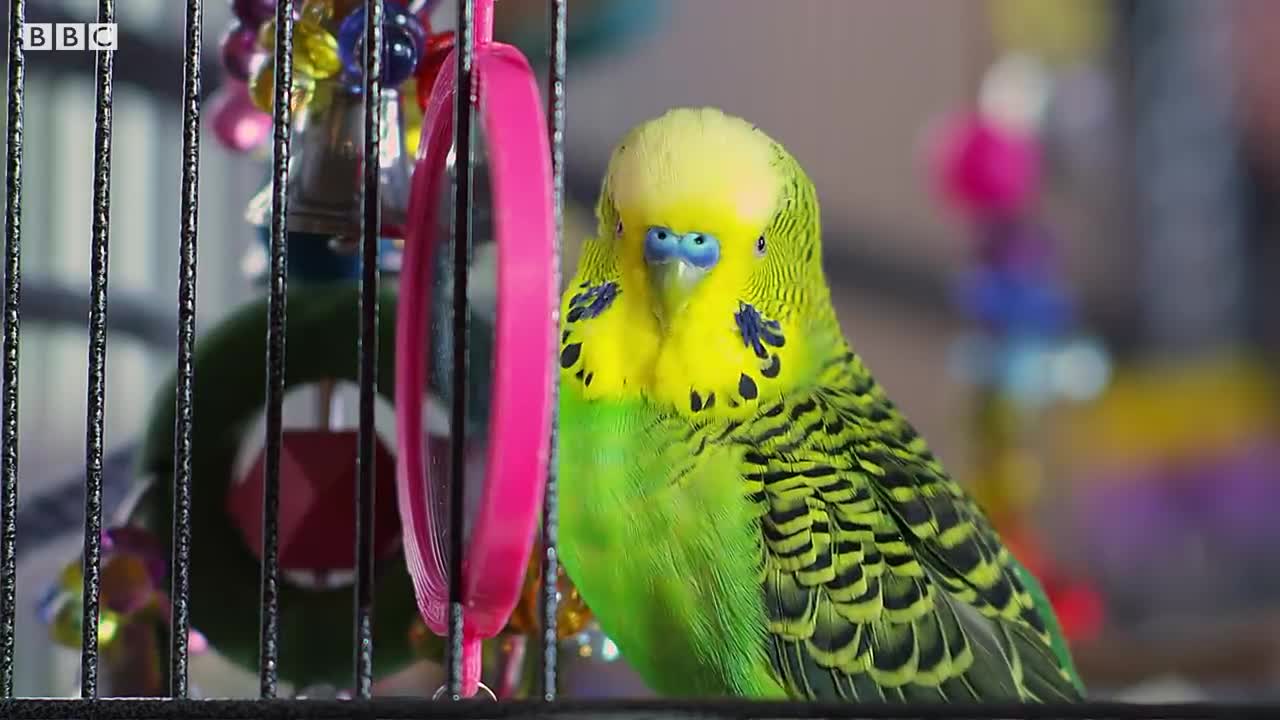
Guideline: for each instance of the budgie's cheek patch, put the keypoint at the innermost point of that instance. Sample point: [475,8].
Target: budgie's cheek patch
[591,302]
[762,336]
[757,332]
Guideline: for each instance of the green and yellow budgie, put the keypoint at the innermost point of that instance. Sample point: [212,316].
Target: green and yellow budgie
[742,507]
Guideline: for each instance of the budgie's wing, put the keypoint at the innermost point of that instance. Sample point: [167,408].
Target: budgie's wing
[882,578]
[1057,639]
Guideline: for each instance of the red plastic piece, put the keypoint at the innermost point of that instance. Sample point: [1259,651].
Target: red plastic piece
[317,501]
[1079,606]
[438,48]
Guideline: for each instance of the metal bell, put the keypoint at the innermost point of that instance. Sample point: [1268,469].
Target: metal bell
[325,174]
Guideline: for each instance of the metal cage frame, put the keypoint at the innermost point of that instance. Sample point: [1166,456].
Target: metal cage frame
[178,705]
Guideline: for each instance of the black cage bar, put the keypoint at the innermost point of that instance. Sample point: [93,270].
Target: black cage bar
[180,566]
[12,298]
[95,429]
[463,176]
[363,705]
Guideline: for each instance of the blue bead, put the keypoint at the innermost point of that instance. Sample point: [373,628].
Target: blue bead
[397,16]
[403,42]
[399,58]
[1008,303]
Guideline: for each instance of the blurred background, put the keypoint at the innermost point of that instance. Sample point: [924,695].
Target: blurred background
[1050,228]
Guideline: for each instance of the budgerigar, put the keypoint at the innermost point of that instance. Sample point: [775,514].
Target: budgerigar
[742,507]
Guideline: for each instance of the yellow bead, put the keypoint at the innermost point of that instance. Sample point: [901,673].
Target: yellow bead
[315,49]
[303,90]
[69,620]
[108,628]
[262,88]
[322,95]
[319,12]
[409,103]
[1060,31]
[412,118]
[72,577]
[66,623]
[412,137]
[267,36]
[573,613]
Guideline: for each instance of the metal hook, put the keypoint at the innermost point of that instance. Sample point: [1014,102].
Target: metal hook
[479,686]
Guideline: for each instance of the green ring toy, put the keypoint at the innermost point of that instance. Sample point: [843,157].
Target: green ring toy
[316,634]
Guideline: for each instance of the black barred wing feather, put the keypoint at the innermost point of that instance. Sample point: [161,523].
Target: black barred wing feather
[882,579]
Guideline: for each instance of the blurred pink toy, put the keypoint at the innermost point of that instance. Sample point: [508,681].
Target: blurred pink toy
[982,169]
[237,124]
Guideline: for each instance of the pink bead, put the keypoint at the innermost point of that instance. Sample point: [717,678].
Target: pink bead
[237,124]
[255,12]
[196,642]
[239,50]
[982,169]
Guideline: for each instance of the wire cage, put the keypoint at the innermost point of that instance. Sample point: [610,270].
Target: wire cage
[363,705]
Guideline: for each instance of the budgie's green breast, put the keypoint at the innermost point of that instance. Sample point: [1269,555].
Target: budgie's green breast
[665,550]
[816,550]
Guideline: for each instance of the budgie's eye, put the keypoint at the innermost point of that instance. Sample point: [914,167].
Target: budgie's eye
[618,229]
[760,246]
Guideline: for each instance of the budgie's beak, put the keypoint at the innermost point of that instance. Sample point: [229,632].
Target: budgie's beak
[677,263]
[673,282]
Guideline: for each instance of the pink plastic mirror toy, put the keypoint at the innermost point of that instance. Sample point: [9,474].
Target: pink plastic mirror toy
[504,92]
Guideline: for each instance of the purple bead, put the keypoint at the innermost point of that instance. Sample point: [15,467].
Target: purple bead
[239,49]
[1020,246]
[252,13]
[403,40]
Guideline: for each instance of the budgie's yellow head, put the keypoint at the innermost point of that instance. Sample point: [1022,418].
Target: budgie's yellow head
[703,288]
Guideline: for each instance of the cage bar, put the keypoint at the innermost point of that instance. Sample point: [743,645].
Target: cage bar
[370,226]
[422,709]
[464,154]
[12,297]
[269,651]
[180,564]
[95,430]
[550,507]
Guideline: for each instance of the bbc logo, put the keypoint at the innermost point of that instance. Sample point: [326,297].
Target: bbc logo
[93,37]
